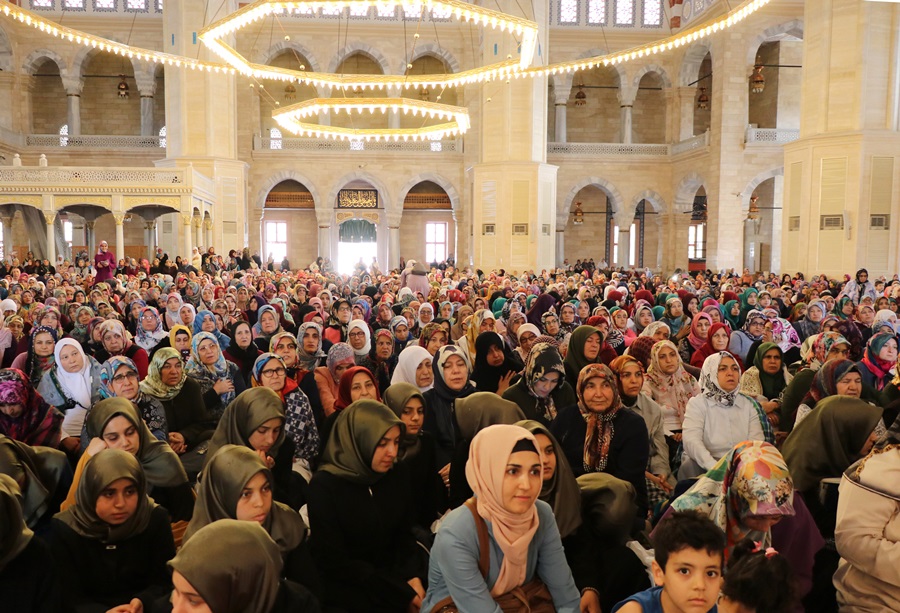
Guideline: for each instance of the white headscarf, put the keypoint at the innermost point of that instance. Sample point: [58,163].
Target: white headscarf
[358,323]
[407,364]
[76,385]
[425,307]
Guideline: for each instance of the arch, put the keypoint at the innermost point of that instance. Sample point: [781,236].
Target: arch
[285,175]
[653,198]
[264,57]
[446,185]
[433,50]
[686,191]
[659,70]
[789,30]
[359,47]
[755,182]
[151,210]
[690,64]
[38,56]
[612,193]
[623,78]
[13,200]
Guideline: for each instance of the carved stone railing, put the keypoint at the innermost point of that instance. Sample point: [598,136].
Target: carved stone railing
[90,175]
[691,144]
[316,144]
[771,136]
[599,149]
[290,200]
[427,201]
[93,142]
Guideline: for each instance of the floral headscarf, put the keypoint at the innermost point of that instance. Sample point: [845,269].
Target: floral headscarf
[750,480]
[337,355]
[672,391]
[543,359]
[108,371]
[694,339]
[822,345]
[709,380]
[207,376]
[39,423]
[600,429]
[148,340]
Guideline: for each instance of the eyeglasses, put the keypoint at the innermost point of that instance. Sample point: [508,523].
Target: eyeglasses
[357,335]
[122,377]
[272,372]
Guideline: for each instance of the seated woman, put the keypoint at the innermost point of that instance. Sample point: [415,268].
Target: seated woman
[879,358]
[255,419]
[206,322]
[719,418]
[669,385]
[38,358]
[750,333]
[25,416]
[241,350]
[826,347]
[585,346]
[180,340]
[597,435]
[300,423]
[542,390]
[414,368]
[526,560]
[268,325]
[116,342]
[699,332]
[766,380]
[28,580]
[112,545]
[237,484]
[380,360]
[359,512]
[72,384]
[285,345]
[150,332]
[208,576]
[836,378]
[451,382]
[493,371]
[114,423]
[119,379]
[219,379]
[866,532]
[340,358]
[41,475]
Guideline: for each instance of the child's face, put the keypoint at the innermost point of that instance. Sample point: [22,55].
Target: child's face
[690,581]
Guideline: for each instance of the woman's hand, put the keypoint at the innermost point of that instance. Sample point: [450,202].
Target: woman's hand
[223,386]
[503,385]
[135,606]
[445,475]
[95,446]
[70,444]
[176,442]
[590,602]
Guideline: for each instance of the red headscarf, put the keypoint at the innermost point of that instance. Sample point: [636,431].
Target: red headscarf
[706,349]
[343,400]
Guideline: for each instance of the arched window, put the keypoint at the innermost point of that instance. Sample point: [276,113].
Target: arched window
[274,138]
[64,136]
[162,137]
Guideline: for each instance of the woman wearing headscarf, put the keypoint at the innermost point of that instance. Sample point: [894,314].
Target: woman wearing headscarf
[541,305]
[699,332]
[381,360]
[149,330]
[745,493]
[206,322]
[752,332]
[79,331]
[717,339]
[39,357]
[838,377]
[840,431]
[337,329]
[116,342]
[675,317]
[300,422]
[359,337]
[859,288]
[309,346]
[596,435]
[414,367]
[256,419]
[340,358]
[171,316]
[432,337]
[811,323]
[41,475]
[458,330]
[585,347]
[718,418]
[119,379]
[359,510]
[482,321]
[242,351]
[180,339]
[219,379]
[669,385]
[186,314]
[542,390]
[766,380]
[285,345]
[511,339]
[267,326]
[237,484]
[451,381]
[112,545]
[26,417]
[417,451]
[878,360]
[527,557]
[527,336]
[493,371]
[72,384]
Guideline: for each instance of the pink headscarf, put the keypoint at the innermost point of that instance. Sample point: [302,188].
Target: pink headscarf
[485,470]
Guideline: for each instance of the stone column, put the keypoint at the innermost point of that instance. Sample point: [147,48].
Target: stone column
[323,217]
[89,238]
[6,224]
[562,88]
[658,219]
[622,258]
[626,100]
[150,239]
[120,234]
[560,133]
[198,230]
[685,97]
[145,78]
[73,104]
[208,226]
[49,218]
[562,220]
[147,116]
[187,230]
[393,218]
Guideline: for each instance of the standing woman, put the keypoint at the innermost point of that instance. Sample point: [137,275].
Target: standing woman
[526,557]
[112,545]
[72,385]
[219,379]
[359,514]
[451,381]
[119,379]
[242,352]
[542,390]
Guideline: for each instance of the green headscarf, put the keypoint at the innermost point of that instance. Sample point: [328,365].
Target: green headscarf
[160,464]
[772,385]
[234,566]
[224,478]
[732,319]
[396,398]
[745,298]
[356,432]
[37,472]
[251,409]
[575,360]
[152,384]
[477,411]
[14,534]
[101,470]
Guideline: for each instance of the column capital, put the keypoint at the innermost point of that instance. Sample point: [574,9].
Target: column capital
[626,96]
[49,217]
[196,222]
[208,224]
[89,224]
[186,218]
[119,218]
[149,225]
[73,85]
[145,79]
[393,218]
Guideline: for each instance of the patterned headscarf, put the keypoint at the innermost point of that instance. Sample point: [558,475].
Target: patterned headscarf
[543,359]
[108,371]
[153,384]
[39,423]
[207,376]
[600,429]
[822,345]
[148,340]
[825,382]
[709,380]
[337,355]
[672,391]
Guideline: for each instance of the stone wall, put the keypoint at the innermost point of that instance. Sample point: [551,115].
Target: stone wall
[102,111]
[412,232]
[48,100]
[648,123]
[301,231]
[598,121]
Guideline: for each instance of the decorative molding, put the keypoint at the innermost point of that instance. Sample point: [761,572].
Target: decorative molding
[186,219]
[614,149]
[133,201]
[120,218]
[93,142]
[49,217]
[101,201]
[36,201]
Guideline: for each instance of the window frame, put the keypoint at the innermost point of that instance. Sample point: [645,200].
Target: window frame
[432,246]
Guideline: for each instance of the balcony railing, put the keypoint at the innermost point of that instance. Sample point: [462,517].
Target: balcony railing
[427,201]
[290,200]
[615,149]
[316,144]
[93,142]
[90,175]
[771,136]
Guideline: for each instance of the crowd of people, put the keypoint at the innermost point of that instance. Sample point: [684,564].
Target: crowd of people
[222,435]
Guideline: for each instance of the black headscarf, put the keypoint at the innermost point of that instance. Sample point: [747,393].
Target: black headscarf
[487,377]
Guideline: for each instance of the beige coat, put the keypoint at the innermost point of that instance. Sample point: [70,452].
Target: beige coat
[868,536]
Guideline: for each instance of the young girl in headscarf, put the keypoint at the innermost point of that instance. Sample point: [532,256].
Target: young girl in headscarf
[542,390]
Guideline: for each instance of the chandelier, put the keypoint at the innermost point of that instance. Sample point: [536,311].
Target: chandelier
[757,80]
[580,96]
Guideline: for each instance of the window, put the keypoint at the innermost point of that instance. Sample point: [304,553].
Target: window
[653,13]
[159,5]
[104,5]
[275,138]
[597,12]
[568,11]
[624,12]
[136,5]
[632,246]
[359,10]
[696,242]
[64,136]
[276,240]
[386,11]
[331,11]
[67,234]
[357,145]
[42,4]
[73,5]
[435,242]
[412,11]
[441,14]
[162,137]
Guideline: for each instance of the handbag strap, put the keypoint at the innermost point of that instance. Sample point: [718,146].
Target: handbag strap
[484,556]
